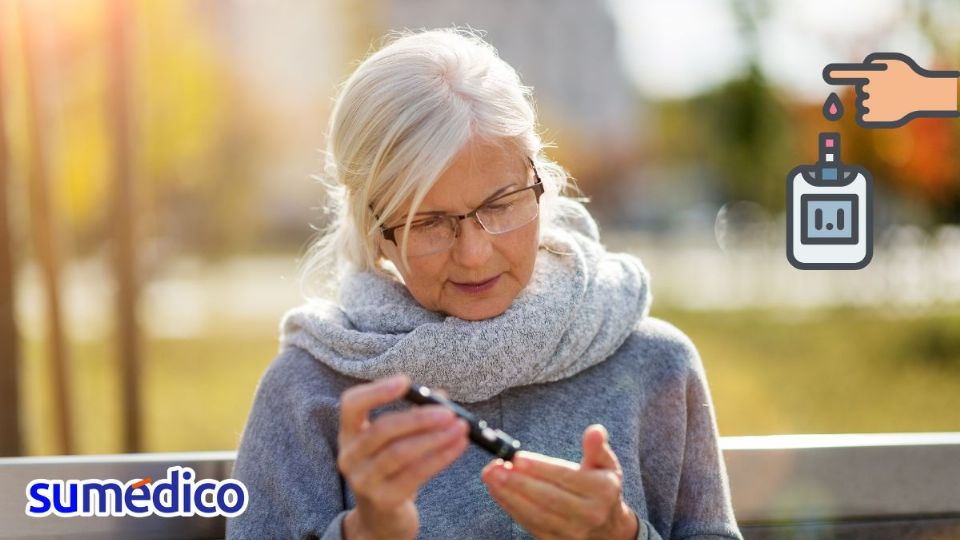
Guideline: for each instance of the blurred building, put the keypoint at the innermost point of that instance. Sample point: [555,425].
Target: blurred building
[568,51]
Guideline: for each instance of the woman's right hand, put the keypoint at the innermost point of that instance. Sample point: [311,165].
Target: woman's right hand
[387,460]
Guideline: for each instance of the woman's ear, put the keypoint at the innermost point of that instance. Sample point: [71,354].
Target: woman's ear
[381,254]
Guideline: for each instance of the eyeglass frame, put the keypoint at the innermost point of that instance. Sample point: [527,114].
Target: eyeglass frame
[389,234]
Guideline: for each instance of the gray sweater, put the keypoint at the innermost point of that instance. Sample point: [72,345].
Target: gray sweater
[651,395]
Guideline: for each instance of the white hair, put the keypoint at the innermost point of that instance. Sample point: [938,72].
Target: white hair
[398,122]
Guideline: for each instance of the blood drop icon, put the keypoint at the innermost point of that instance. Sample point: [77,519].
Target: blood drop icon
[833,108]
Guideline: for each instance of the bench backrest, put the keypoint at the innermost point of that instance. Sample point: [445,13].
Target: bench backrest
[790,486]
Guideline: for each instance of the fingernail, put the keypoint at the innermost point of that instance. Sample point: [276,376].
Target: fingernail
[499,475]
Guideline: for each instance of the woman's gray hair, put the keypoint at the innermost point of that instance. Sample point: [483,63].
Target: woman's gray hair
[398,121]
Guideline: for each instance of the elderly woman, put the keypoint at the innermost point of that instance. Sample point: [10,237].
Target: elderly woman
[459,265]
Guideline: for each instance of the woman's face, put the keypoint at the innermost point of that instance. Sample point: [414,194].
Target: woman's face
[476,173]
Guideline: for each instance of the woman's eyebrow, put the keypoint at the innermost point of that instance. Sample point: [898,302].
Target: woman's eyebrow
[492,196]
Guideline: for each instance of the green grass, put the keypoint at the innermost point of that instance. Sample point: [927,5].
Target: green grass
[840,371]
[195,393]
[809,372]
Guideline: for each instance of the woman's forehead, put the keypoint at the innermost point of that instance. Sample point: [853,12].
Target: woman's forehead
[468,188]
[472,179]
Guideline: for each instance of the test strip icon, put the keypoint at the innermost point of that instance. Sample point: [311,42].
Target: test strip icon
[828,167]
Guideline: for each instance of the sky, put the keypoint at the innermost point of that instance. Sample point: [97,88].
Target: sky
[681,48]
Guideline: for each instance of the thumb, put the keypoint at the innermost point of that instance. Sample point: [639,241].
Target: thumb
[597,453]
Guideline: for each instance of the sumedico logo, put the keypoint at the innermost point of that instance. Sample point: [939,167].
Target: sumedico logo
[177,495]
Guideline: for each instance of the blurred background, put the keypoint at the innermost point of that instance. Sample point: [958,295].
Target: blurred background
[156,194]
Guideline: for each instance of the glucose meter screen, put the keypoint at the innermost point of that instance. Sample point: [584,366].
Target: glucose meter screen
[828,219]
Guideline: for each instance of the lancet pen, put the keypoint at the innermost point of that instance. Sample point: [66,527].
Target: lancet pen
[492,440]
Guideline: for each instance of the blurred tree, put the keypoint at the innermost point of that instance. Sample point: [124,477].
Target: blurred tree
[198,133]
[749,138]
[44,224]
[124,230]
[195,142]
[10,436]
[739,131]
[946,42]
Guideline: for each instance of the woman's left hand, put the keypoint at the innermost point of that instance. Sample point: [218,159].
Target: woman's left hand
[555,498]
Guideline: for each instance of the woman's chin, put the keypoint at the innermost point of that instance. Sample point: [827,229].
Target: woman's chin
[479,310]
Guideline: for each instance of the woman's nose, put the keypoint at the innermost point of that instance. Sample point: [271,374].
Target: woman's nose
[473,246]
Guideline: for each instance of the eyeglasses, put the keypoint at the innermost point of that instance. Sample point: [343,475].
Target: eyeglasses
[503,214]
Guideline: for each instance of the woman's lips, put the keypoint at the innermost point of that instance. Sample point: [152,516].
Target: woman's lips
[477,287]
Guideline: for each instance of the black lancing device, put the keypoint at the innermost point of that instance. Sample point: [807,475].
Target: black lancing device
[492,440]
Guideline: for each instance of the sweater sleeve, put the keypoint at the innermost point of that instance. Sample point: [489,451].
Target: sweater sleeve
[287,457]
[704,510]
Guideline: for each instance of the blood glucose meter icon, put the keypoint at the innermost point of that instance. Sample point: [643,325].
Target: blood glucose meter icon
[829,212]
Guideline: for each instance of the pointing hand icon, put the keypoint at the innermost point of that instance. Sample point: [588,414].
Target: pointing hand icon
[892,90]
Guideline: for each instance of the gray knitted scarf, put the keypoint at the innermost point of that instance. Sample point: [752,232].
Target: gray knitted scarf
[579,306]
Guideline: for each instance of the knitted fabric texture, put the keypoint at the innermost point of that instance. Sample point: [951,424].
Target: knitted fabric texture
[580,305]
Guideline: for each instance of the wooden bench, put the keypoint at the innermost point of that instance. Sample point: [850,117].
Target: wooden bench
[871,486]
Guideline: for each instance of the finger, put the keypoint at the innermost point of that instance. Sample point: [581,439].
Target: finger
[402,452]
[536,519]
[605,483]
[564,474]
[540,524]
[356,401]
[855,74]
[390,426]
[548,496]
[409,479]
[597,453]
[372,476]
[870,118]
[561,472]
[885,57]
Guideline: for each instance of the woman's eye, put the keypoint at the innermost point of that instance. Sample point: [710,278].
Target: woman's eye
[426,224]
